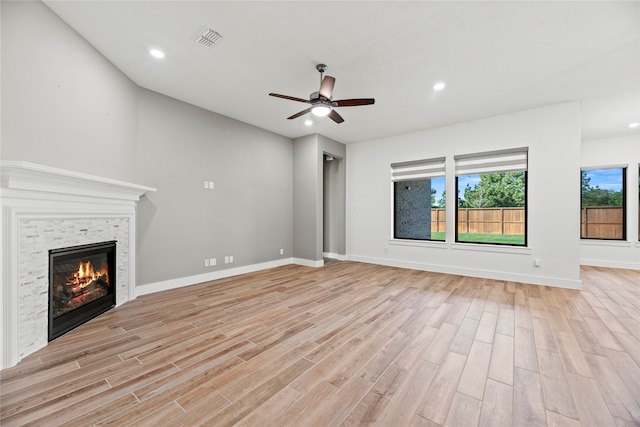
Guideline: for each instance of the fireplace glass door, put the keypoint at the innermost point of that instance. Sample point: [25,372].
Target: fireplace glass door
[81,285]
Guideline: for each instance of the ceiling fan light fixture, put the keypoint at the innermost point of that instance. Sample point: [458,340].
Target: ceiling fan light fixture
[320,110]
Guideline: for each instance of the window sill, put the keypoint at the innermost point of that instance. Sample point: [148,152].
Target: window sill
[614,243]
[484,247]
[439,244]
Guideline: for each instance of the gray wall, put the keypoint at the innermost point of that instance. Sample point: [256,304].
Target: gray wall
[308,197]
[63,104]
[334,199]
[248,214]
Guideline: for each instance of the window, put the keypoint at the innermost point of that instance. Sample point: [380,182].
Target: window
[602,203]
[419,199]
[491,189]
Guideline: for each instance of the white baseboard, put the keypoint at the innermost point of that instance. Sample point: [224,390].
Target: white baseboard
[485,274]
[488,274]
[308,262]
[332,255]
[610,264]
[207,277]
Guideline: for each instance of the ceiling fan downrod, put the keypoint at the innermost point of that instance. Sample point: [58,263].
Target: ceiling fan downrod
[321,68]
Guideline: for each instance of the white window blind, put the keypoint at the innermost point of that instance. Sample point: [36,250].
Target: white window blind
[512,160]
[417,169]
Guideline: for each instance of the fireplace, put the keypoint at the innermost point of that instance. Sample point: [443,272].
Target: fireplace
[81,285]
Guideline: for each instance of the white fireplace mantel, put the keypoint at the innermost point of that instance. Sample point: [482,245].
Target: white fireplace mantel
[34,177]
[35,200]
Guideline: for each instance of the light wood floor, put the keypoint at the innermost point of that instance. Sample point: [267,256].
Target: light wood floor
[348,344]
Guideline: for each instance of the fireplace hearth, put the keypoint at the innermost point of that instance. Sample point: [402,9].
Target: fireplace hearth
[81,285]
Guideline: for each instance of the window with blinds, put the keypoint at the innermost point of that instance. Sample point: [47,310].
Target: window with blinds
[419,199]
[491,190]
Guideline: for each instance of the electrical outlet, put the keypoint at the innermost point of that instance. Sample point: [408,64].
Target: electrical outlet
[211,186]
[226,260]
[206,263]
[206,185]
[231,258]
[281,251]
[212,262]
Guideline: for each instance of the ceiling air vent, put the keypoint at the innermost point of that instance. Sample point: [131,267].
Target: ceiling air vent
[208,38]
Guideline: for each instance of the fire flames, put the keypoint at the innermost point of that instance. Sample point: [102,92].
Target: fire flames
[85,275]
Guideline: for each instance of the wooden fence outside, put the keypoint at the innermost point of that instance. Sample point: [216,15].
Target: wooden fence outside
[601,222]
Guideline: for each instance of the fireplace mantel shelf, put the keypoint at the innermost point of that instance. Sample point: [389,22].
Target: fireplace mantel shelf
[34,177]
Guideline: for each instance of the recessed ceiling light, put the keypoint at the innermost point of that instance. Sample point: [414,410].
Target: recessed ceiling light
[439,86]
[634,125]
[308,122]
[157,53]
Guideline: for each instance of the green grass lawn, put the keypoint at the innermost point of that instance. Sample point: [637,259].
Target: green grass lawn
[508,239]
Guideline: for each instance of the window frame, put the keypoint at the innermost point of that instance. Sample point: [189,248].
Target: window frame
[623,169]
[428,169]
[496,165]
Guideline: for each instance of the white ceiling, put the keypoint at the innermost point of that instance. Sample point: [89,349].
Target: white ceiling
[496,57]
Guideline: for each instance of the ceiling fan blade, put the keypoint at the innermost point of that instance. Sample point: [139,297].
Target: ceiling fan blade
[333,115]
[326,87]
[296,115]
[291,98]
[352,102]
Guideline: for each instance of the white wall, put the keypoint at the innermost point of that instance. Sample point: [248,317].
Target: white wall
[618,151]
[553,137]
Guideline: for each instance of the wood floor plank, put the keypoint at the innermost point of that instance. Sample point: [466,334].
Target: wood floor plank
[573,359]
[557,420]
[464,337]
[370,408]
[465,411]
[474,376]
[501,364]
[619,400]
[591,406]
[437,401]
[555,386]
[439,346]
[628,371]
[346,344]
[487,327]
[525,355]
[528,405]
[497,405]
[403,404]
[269,412]
[506,321]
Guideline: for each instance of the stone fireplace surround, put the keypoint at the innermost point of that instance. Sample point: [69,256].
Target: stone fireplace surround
[46,208]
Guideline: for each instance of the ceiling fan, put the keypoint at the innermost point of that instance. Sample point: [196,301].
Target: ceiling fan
[321,102]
